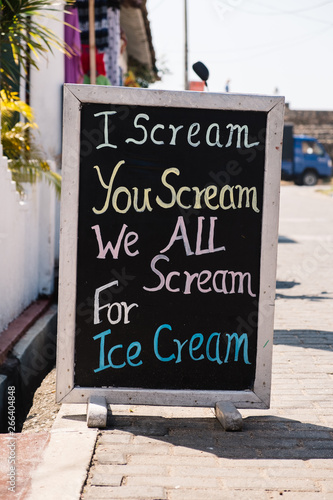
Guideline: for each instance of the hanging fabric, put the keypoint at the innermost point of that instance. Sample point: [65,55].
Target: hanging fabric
[73,66]
[101,22]
[101,78]
[135,4]
[112,52]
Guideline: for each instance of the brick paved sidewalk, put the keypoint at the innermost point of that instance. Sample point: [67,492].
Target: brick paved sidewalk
[285,452]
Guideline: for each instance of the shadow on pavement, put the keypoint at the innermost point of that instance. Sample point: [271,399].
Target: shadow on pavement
[286,284]
[263,437]
[309,339]
[284,239]
[315,298]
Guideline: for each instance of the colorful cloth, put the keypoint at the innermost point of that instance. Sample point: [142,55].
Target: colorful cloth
[73,66]
[85,59]
[113,50]
[100,80]
[101,22]
[115,4]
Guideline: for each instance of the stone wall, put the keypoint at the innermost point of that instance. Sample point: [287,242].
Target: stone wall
[318,124]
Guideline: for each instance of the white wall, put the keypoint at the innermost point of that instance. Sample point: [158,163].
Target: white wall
[46,94]
[26,244]
[29,228]
[46,87]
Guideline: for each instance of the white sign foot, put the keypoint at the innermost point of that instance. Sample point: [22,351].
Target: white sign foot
[228,416]
[97,412]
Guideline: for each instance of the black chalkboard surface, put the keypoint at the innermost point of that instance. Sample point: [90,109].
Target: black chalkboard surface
[168,255]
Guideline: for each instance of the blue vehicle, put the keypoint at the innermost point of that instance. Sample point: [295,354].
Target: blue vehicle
[304,159]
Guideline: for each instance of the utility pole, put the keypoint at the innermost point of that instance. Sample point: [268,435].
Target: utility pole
[92,42]
[186,86]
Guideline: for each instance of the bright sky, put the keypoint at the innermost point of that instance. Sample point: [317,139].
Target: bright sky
[280,47]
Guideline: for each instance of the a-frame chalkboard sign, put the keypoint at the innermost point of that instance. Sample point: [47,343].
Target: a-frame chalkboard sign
[169,221]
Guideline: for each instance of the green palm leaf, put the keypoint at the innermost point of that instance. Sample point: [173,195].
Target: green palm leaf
[26,161]
[24,35]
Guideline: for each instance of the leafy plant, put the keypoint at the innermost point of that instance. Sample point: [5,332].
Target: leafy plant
[25,37]
[130,80]
[25,160]
[141,73]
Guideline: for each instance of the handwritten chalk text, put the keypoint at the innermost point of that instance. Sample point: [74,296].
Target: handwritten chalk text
[221,281]
[121,309]
[196,348]
[160,135]
[122,198]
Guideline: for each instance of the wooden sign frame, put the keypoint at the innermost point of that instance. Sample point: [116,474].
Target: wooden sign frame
[74,97]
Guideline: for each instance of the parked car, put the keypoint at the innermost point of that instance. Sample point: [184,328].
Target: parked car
[304,159]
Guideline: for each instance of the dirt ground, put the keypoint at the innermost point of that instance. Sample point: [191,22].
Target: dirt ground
[44,408]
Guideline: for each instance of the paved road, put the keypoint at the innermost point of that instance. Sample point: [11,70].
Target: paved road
[285,452]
